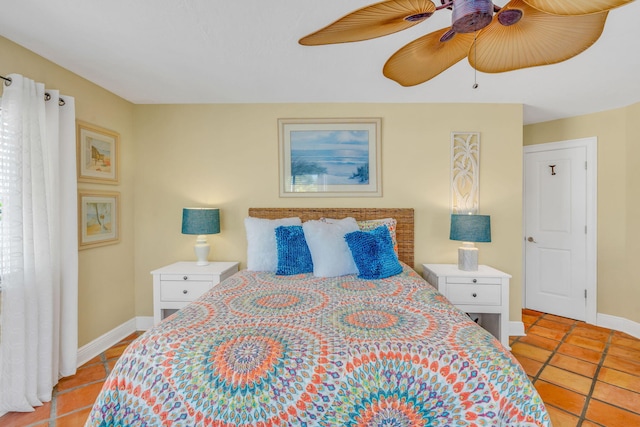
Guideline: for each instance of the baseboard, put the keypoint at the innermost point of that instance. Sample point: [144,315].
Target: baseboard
[144,322]
[619,324]
[516,329]
[114,336]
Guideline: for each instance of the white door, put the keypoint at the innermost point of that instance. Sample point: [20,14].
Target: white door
[557,276]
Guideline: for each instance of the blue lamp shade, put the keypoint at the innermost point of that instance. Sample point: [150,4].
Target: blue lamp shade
[200,221]
[470,228]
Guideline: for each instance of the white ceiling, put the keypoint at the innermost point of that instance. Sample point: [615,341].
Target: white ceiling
[246,51]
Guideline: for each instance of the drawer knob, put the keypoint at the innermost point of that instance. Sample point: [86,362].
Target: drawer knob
[474,294]
[186,292]
[475,280]
[185,277]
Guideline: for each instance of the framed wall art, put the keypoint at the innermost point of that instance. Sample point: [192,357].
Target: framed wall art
[330,157]
[465,172]
[98,154]
[99,218]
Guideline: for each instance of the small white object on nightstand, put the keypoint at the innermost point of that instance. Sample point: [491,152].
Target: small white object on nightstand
[178,284]
[484,292]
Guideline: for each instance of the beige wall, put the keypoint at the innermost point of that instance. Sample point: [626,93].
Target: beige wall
[618,201]
[227,156]
[106,291]
[631,283]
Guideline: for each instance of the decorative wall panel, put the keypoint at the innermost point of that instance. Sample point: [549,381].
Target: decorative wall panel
[465,172]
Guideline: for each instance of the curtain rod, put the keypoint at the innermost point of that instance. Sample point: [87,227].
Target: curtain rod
[47,96]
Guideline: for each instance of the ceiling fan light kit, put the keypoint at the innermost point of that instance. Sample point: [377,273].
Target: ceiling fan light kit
[469,16]
[521,34]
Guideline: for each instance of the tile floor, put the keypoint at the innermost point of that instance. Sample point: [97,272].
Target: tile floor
[73,396]
[588,376]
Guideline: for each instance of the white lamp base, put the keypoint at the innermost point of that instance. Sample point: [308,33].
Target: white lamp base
[468,257]
[202,250]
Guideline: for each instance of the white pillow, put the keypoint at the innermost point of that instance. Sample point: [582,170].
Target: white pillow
[262,252]
[329,251]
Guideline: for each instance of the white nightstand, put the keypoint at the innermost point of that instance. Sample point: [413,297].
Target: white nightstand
[176,285]
[483,293]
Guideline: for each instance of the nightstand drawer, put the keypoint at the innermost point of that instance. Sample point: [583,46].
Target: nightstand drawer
[474,294]
[188,277]
[184,290]
[474,280]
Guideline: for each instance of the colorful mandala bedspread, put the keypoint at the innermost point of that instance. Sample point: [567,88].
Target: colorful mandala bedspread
[265,350]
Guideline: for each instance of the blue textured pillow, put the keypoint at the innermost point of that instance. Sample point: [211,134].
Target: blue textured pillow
[373,253]
[293,253]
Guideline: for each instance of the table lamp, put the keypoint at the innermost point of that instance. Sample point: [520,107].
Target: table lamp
[201,221]
[469,229]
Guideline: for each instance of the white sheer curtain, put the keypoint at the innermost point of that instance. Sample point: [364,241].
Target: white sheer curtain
[38,243]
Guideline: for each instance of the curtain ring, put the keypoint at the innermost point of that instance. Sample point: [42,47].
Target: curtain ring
[47,97]
[7,80]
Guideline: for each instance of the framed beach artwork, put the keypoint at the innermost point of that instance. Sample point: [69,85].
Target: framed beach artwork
[98,151]
[99,218]
[330,157]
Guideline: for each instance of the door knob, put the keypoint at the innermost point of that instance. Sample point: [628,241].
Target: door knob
[531,239]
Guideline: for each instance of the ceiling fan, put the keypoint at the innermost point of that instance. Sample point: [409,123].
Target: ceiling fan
[521,34]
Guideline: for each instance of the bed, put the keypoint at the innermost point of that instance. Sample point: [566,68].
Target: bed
[265,349]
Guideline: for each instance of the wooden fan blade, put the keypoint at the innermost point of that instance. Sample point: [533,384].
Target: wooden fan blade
[537,38]
[575,7]
[428,56]
[372,21]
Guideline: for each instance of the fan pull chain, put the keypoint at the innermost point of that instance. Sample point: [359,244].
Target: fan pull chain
[475,57]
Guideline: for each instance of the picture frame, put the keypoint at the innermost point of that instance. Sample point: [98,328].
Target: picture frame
[330,157]
[98,218]
[98,151]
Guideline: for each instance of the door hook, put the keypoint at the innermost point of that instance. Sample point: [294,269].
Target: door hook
[553,172]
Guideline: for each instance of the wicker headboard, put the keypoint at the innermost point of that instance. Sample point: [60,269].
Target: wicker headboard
[404,217]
